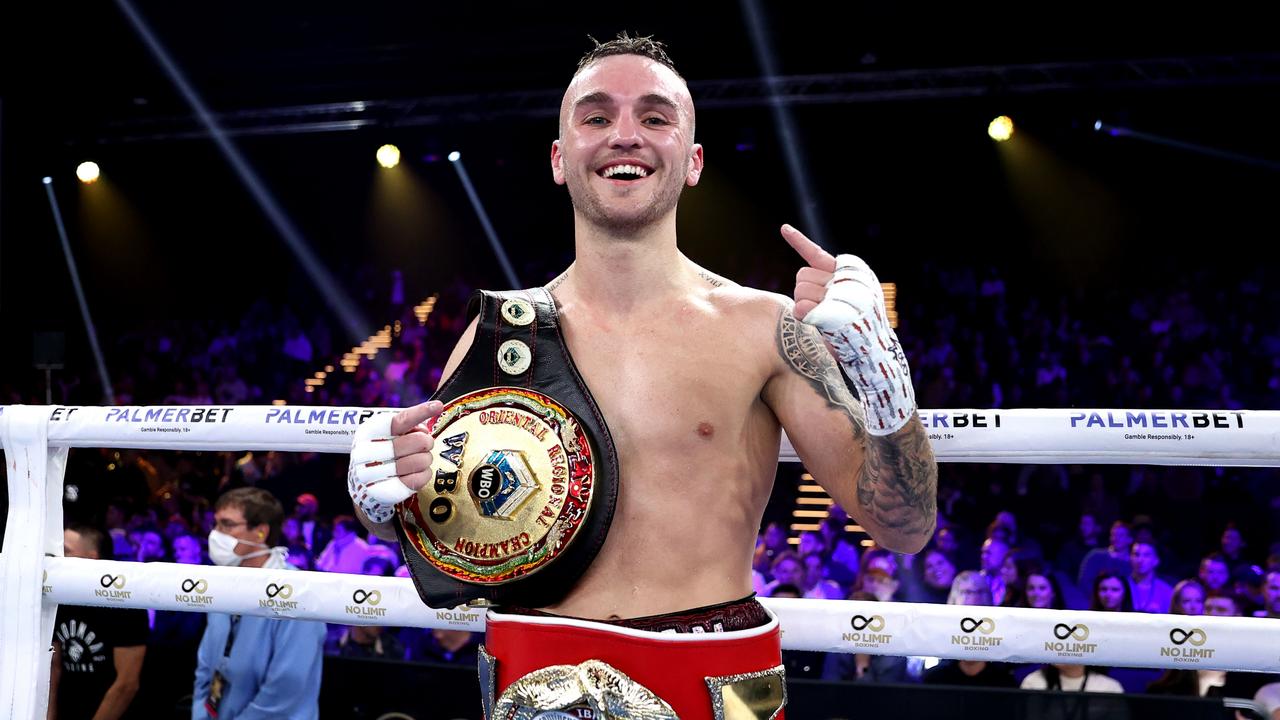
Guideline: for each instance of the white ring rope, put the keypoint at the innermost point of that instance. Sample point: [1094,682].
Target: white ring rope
[36,438]
[1027,436]
[846,626]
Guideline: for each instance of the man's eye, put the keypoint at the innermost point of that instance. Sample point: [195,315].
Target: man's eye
[656,121]
[597,120]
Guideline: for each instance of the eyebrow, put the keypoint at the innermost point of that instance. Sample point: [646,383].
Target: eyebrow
[601,97]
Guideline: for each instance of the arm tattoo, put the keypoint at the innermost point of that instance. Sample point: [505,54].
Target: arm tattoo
[802,348]
[897,483]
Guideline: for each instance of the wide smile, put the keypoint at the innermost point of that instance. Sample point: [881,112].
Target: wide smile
[625,172]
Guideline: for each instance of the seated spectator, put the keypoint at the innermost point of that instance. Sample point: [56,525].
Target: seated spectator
[347,551]
[1071,678]
[1087,538]
[937,572]
[457,647]
[799,663]
[1150,593]
[861,667]
[1041,590]
[365,641]
[1113,558]
[880,585]
[188,550]
[970,588]
[1188,598]
[1111,593]
[1214,573]
[787,570]
[1222,605]
[816,584]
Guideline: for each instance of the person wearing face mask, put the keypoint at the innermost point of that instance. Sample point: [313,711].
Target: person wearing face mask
[255,667]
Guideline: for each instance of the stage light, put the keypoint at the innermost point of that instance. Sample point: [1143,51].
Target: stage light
[388,156]
[1000,129]
[47,180]
[1097,125]
[88,172]
[455,156]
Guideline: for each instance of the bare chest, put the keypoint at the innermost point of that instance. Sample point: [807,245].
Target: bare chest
[676,388]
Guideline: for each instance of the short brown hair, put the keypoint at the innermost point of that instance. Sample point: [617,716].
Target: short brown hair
[95,539]
[258,506]
[624,44]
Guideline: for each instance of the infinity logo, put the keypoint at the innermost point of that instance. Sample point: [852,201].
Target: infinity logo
[199,586]
[360,596]
[875,623]
[1195,636]
[1079,632]
[108,581]
[284,591]
[986,626]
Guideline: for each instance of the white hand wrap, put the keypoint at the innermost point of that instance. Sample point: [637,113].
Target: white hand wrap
[853,319]
[371,478]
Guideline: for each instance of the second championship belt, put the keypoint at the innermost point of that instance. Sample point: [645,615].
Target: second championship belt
[525,474]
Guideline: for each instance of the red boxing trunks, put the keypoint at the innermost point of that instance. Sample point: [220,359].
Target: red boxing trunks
[546,667]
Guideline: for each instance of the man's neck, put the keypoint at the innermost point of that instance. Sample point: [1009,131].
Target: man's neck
[619,273]
[254,562]
[1143,579]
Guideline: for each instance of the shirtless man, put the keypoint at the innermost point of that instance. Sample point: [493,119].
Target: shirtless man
[695,375]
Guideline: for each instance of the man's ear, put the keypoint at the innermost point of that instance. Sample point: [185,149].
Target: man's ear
[695,166]
[557,169]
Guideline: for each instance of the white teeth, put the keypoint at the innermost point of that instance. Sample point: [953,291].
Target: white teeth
[628,169]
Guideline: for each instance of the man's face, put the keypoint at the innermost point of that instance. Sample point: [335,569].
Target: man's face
[187,550]
[993,554]
[1231,541]
[1144,559]
[77,546]
[1121,538]
[810,543]
[1213,574]
[789,572]
[1221,606]
[230,520]
[1271,594]
[626,109]
[150,546]
[1088,526]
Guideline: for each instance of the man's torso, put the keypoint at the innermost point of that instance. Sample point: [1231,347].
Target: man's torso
[680,387]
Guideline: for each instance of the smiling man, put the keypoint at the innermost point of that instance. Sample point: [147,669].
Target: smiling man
[696,377]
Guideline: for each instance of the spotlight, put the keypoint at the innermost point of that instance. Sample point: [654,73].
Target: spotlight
[88,172]
[388,156]
[455,156]
[47,180]
[1097,125]
[1000,129]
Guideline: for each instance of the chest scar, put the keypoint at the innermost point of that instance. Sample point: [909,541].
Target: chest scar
[706,430]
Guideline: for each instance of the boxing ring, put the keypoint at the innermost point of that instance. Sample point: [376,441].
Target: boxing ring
[35,578]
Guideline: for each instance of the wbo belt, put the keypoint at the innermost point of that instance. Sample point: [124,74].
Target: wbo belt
[525,471]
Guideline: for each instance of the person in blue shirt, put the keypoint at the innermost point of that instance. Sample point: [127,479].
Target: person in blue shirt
[254,667]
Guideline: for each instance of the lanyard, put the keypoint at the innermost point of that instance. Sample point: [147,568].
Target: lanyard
[231,635]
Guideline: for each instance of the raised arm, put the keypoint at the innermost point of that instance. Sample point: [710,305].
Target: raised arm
[882,471]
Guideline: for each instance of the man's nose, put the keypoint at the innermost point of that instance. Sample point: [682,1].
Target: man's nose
[626,132]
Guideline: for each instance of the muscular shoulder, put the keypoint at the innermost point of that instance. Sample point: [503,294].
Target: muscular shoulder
[754,308]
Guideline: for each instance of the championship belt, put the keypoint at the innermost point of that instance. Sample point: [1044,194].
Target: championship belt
[525,472]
